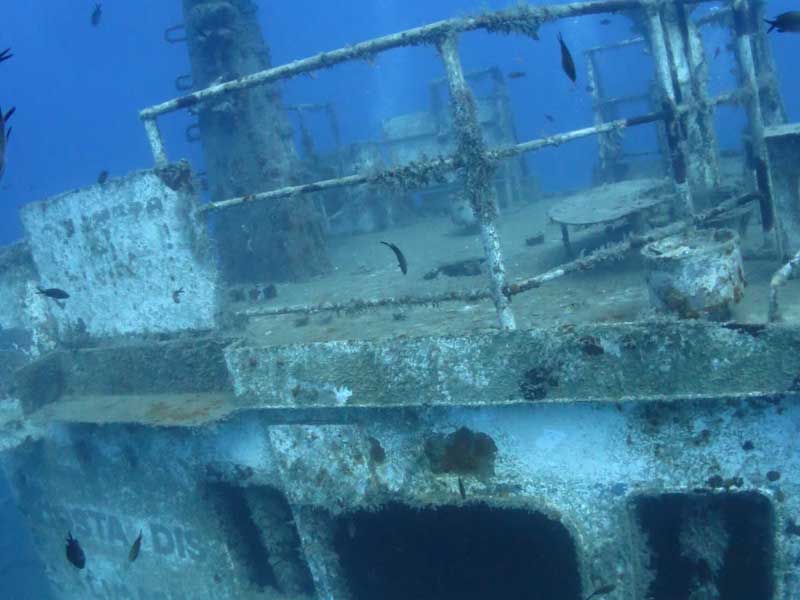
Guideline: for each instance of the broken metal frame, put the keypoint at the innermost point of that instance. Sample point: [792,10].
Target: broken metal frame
[472,156]
[609,152]
[308,144]
[789,271]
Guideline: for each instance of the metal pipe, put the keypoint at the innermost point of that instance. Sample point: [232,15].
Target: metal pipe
[788,271]
[603,102]
[156,142]
[437,165]
[561,138]
[285,192]
[478,174]
[615,45]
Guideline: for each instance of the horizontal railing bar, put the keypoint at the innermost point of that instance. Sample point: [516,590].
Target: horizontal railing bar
[523,19]
[439,165]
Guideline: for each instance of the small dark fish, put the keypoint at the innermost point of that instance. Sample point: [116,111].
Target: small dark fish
[176,295]
[75,553]
[4,136]
[102,177]
[53,293]
[788,21]
[602,591]
[461,489]
[716,52]
[97,14]
[401,260]
[605,22]
[516,74]
[566,60]
[550,118]
[589,89]
[5,54]
[137,545]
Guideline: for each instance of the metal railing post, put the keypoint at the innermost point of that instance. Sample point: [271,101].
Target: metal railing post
[478,174]
[677,146]
[744,54]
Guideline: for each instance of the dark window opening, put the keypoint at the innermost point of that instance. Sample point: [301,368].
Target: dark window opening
[703,545]
[468,552]
[241,533]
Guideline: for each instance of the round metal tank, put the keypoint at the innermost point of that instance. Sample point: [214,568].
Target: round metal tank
[695,274]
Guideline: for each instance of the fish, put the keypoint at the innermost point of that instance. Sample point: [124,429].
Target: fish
[550,118]
[176,295]
[137,545]
[5,134]
[75,553]
[5,54]
[516,74]
[605,22]
[602,591]
[461,489]
[401,260]
[102,177]
[788,21]
[53,293]
[97,14]
[566,60]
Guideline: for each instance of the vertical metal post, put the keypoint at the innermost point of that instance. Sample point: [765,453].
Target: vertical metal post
[607,153]
[678,160]
[511,167]
[705,112]
[743,25]
[478,170]
[156,142]
[772,108]
[699,150]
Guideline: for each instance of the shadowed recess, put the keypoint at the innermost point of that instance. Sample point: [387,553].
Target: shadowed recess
[470,552]
[242,536]
[718,546]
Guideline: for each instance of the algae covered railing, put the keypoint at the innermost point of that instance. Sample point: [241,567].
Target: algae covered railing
[472,157]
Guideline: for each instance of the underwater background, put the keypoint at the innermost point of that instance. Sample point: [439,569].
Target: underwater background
[78,89]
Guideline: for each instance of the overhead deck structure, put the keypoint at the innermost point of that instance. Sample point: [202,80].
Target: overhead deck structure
[399,443]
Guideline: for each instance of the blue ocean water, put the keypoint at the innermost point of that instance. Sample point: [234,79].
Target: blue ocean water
[77,90]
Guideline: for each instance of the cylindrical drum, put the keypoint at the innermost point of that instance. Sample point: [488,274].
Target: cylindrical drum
[695,274]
